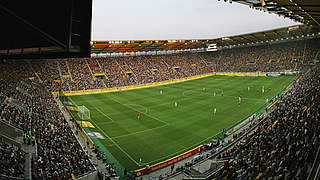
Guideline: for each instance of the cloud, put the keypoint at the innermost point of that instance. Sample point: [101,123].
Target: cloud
[177,19]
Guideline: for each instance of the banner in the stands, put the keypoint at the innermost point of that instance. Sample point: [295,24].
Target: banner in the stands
[125,88]
[85,124]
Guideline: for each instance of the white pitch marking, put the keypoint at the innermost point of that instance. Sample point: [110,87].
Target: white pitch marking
[139,132]
[104,114]
[112,140]
[116,144]
[137,110]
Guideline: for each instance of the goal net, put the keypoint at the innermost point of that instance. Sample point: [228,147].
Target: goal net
[84,112]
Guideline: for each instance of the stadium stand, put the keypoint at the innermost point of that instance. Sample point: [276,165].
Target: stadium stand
[81,74]
[12,161]
[26,103]
[31,107]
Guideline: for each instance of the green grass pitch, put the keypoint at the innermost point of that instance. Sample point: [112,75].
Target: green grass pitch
[163,130]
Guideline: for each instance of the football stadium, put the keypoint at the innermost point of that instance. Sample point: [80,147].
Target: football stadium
[238,106]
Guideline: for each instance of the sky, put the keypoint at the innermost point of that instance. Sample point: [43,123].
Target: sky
[178,19]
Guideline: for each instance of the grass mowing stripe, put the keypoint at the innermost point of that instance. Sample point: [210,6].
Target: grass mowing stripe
[183,150]
[194,145]
[189,125]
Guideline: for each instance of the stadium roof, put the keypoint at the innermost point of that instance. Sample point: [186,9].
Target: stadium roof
[36,29]
[304,11]
[103,47]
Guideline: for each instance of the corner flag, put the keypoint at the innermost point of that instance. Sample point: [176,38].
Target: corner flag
[263,3]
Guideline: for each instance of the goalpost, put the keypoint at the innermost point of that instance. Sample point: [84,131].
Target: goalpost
[84,112]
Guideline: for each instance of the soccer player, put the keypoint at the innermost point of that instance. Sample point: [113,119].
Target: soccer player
[160,91]
[248,88]
[239,100]
[204,89]
[222,93]
[267,100]
[214,93]
[214,111]
[139,114]
[262,89]
[175,104]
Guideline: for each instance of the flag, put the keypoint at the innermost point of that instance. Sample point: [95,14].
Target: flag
[305,108]
[73,177]
[263,3]
[275,123]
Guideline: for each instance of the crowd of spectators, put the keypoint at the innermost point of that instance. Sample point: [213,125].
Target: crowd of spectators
[82,76]
[267,58]
[283,146]
[12,160]
[79,74]
[32,108]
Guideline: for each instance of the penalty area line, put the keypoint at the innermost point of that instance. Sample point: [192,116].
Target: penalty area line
[112,140]
[104,114]
[138,132]
[138,110]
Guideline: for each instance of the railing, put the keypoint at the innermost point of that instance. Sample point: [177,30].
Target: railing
[10,140]
[9,177]
[9,130]
[88,176]
[315,169]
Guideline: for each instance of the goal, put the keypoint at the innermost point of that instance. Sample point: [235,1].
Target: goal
[84,112]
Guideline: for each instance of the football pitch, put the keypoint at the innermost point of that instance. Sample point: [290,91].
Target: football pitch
[165,130]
